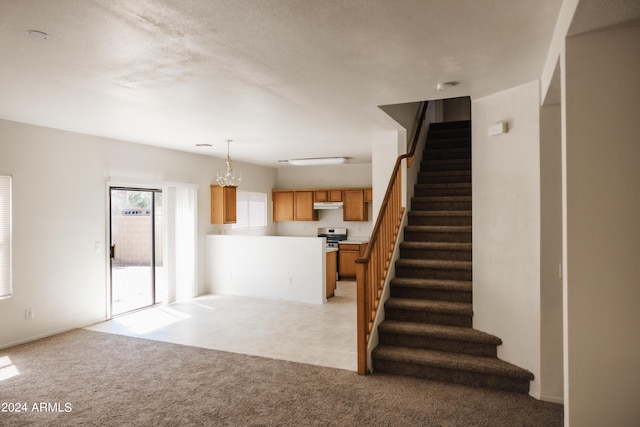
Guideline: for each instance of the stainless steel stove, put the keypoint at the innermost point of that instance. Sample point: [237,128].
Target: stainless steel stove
[333,235]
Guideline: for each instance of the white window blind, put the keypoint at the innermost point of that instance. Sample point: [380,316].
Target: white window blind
[5,236]
[251,210]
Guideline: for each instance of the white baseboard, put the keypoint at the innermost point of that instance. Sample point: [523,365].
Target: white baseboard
[547,398]
[49,334]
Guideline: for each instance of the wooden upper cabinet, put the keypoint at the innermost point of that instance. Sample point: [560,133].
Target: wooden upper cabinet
[327,195]
[354,208]
[320,196]
[297,205]
[282,205]
[223,205]
[303,201]
[368,195]
[335,195]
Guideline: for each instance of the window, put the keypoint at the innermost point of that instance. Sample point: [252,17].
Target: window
[251,210]
[5,236]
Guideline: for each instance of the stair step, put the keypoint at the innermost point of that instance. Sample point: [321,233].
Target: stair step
[451,251]
[432,289]
[443,285]
[478,371]
[445,165]
[438,337]
[443,189]
[446,144]
[435,134]
[441,203]
[451,313]
[444,177]
[440,218]
[447,153]
[437,233]
[457,124]
[434,269]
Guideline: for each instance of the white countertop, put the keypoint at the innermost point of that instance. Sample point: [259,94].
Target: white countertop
[355,241]
[327,250]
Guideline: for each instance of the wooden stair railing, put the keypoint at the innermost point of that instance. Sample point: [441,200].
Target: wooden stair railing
[373,266]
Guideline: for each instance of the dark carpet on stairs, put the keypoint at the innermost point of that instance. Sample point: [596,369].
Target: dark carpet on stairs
[427,331]
[113,380]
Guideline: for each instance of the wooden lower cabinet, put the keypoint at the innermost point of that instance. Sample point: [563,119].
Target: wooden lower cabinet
[331,273]
[348,254]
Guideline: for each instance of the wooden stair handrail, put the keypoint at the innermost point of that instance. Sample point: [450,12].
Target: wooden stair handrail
[384,235]
[410,155]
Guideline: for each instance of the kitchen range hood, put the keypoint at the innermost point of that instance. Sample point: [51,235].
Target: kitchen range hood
[327,205]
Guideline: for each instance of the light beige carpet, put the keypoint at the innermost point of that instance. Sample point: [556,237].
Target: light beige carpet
[112,380]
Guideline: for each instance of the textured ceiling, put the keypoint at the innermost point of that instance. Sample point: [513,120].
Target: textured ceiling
[593,15]
[282,78]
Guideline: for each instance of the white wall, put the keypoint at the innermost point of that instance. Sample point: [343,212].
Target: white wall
[275,267]
[405,115]
[601,108]
[338,176]
[454,109]
[386,148]
[506,225]
[551,378]
[60,213]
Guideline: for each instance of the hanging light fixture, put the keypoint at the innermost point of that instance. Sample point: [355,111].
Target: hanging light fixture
[227,178]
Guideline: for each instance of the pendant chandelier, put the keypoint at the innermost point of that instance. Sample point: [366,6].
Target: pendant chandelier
[227,178]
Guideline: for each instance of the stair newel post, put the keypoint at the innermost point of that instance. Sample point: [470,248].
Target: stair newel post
[362,267]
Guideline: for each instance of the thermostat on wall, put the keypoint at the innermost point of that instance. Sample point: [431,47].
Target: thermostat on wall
[498,128]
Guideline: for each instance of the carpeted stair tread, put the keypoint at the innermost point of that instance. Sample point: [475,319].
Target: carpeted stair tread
[440,185]
[444,189]
[434,263]
[447,153]
[437,245]
[445,142]
[444,161]
[440,213]
[464,162]
[438,331]
[436,135]
[454,124]
[453,361]
[442,199]
[438,229]
[435,284]
[412,304]
[463,172]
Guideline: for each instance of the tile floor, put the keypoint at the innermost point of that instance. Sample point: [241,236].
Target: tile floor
[318,334]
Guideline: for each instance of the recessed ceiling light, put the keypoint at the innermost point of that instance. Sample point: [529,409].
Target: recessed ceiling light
[38,35]
[445,85]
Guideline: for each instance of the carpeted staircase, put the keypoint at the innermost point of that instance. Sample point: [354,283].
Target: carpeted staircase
[427,331]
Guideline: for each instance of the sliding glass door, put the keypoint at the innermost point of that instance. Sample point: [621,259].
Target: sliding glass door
[136,249]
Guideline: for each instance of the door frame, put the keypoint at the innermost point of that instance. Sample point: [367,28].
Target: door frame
[153,190]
